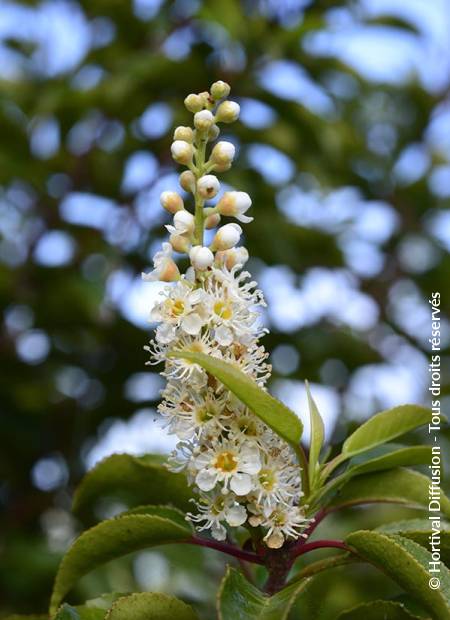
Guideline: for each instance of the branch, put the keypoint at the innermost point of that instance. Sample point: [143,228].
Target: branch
[240,554]
[318,544]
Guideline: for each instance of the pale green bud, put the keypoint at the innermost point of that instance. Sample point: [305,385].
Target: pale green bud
[184,133]
[228,112]
[219,90]
[194,103]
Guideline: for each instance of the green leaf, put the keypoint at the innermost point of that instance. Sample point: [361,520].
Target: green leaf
[419,530]
[378,610]
[384,427]
[81,612]
[280,418]
[240,600]
[112,539]
[406,563]
[150,606]
[397,486]
[317,436]
[135,480]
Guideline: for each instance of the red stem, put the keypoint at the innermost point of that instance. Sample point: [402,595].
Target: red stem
[318,517]
[226,548]
[318,544]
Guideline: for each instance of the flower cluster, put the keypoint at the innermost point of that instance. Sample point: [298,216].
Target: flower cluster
[243,472]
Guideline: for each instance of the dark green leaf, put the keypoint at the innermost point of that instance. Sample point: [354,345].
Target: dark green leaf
[240,600]
[419,530]
[150,606]
[135,480]
[407,563]
[112,539]
[384,427]
[378,610]
[317,436]
[280,418]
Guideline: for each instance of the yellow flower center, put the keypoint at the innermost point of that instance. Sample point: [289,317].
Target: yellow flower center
[226,461]
[177,307]
[278,517]
[204,414]
[267,479]
[218,506]
[223,310]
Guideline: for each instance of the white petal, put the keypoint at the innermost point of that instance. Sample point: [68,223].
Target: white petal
[241,484]
[236,515]
[206,480]
[218,531]
[192,324]
[165,333]
[244,218]
[224,335]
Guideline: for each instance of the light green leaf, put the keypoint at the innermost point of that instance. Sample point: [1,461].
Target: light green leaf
[384,427]
[378,610]
[280,418]
[419,530]
[317,436]
[81,612]
[112,539]
[27,617]
[240,600]
[379,459]
[135,480]
[397,486]
[150,606]
[406,563]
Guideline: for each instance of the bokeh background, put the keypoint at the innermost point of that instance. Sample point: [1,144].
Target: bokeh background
[344,146]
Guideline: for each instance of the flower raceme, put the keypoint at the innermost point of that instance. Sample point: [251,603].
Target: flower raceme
[243,473]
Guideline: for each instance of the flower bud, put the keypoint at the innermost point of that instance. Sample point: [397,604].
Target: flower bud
[235,204]
[184,133]
[219,90]
[182,151]
[208,186]
[201,258]
[213,132]
[206,99]
[171,201]
[222,155]
[180,243]
[187,181]
[165,269]
[227,237]
[230,258]
[183,222]
[203,120]
[212,221]
[228,112]
[193,103]
[275,541]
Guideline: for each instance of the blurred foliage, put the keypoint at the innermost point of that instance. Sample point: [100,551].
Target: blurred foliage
[53,402]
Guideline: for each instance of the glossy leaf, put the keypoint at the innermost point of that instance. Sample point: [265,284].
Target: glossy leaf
[280,418]
[407,563]
[384,427]
[317,436]
[419,530]
[114,538]
[135,480]
[240,600]
[378,610]
[398,486]
[150,606]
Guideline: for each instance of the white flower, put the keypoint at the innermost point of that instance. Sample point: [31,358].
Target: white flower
[217,509]
[208,186]
[283,522]
[201,258]
[235,204]
[182,151]
[183,222]
[184,308]
[228,112]
[165,269]
[203,120]
[172,202]
[222,155]
[229,464]
[227,237]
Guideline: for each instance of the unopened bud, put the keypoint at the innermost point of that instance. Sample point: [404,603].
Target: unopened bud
[219,90]
[212,221]
[203,120]
[228,112]
[206,99]
[275,541]
[235,204]
[213,133]
[201,258]
[227,237]
[183,222]
[171,201]
[184,133]
[222,155]
[208,186]
[187,181]
[165,269]
[194,103]
[180,243]
[232,257]
[182,151]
